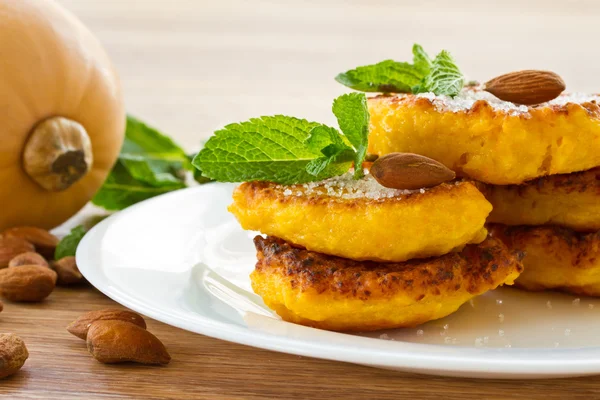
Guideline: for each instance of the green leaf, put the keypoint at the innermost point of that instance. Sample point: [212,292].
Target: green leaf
[444,78]
[264,149]
[421,60]
[151,157]
[329,142]
[352,114]
[121,190]
[147,141]
[68,245]
[198,177]
[387,76]
[440,76]
[322,137]
[149,164]
[318,165]
[154,172]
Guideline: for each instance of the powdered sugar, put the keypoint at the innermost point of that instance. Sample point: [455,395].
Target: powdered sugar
[346,187]
[470,95]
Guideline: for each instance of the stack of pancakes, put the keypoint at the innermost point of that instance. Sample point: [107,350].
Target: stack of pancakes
[352,255]
[536,165]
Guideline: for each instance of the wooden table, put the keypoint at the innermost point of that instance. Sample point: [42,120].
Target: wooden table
[190,66]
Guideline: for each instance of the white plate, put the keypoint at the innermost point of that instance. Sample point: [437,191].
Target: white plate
[182,259]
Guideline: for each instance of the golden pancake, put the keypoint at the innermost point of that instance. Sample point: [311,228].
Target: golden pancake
[568,200]
[556,258]
[362,220]
[338,294]
[487,139]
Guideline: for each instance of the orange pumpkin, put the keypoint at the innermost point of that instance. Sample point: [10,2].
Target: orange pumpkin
[62,116]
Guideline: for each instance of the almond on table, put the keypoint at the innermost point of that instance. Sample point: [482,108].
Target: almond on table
[11,247]
[81,325]
[67,271]
[29,258]
[27,283]
[45,243]
[115,341]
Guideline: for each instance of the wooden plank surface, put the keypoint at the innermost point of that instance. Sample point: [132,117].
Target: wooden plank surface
[190,66]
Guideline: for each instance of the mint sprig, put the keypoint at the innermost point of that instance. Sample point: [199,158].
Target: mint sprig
[444,78]
[386,76]
[353,118]
[421,60]
[121,190]
[440,75]
[288,150]
[152,157]
[150,163]
[333,147]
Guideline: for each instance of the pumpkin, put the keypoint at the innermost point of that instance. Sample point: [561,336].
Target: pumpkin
[62,116]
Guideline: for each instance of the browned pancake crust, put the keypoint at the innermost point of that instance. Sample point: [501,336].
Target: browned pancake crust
[556,258]
[475,269]
[569,200]
[339,294]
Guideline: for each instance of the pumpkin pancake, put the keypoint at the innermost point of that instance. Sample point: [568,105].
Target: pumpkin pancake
[363,220]
[556,258]
[487,139]
[338,294]
[568,200]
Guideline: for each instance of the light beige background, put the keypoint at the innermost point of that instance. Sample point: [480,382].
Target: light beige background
[191,66]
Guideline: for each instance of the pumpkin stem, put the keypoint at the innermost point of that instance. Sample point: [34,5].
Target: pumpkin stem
[58,153]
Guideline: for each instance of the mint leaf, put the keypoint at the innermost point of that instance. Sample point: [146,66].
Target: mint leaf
[333,146]
[151,157]
[121,190]
[352,114]
[323,137]
[387,76]
[155,172]
[318,165]
[267,148]
[198,177]
[289,150]
[149,164]
[444,78]
[421,60]
[146,141]
[440,76]
[68,245]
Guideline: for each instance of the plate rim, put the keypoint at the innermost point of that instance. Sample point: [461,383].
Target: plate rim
[515,363]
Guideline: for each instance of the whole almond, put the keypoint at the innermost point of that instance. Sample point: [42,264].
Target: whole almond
[67,271]
[27,283]
[29,258]
[13,354]
[409,171]
[44,242]
[1,306]
[119,341]
[81,325]
[10,247]
[527,87]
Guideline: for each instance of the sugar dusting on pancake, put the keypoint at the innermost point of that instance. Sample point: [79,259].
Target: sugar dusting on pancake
[346,187]
[470,95]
